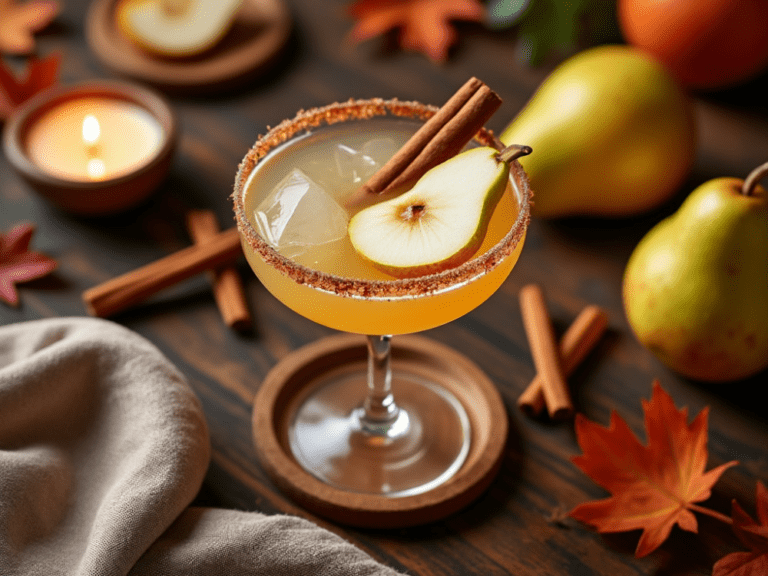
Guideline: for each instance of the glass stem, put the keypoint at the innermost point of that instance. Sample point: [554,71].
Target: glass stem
[379,409]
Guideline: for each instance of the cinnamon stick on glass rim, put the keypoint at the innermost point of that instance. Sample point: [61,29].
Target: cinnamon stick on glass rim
[439,138]
[227,285]
[136,286]
[541,339]
[578,340]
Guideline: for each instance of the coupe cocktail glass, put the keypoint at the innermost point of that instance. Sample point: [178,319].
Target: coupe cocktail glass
[406,434]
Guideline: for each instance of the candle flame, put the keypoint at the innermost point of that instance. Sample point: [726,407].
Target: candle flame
[91,130]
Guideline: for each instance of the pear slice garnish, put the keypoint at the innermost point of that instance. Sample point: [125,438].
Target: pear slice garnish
[176,28]
[441,221]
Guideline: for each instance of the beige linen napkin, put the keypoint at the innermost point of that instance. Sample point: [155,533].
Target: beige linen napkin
[103,446]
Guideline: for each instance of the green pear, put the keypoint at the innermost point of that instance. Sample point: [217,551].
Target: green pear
[695,288]
[613,133]
[441,221]
[176,28]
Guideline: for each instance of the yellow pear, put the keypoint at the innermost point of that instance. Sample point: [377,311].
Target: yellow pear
[695,288]
[613,133]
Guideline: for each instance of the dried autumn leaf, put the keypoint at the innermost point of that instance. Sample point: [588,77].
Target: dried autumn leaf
[424,25]
[652,487]
[18,263]
[41,73]
[753,535]
[18,23]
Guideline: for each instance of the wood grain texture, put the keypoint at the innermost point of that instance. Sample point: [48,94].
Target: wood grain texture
[519,524]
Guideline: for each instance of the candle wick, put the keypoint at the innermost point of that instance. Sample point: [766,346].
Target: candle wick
[96,169]
[175,8]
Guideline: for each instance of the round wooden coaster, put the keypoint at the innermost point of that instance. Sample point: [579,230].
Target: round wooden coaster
[260,31]
[298,372]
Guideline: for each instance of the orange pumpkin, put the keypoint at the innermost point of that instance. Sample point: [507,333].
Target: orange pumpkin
[706,44]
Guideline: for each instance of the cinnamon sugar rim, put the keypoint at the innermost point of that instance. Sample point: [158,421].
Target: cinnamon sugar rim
[349,287]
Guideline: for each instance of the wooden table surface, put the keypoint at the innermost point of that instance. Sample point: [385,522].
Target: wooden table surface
[518,526]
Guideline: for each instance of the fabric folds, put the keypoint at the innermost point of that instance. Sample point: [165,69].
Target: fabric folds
[103,446]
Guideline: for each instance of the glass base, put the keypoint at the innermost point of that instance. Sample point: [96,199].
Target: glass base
[416,451]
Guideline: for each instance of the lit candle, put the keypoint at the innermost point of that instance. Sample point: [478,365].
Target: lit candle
[93,138]
[93,148]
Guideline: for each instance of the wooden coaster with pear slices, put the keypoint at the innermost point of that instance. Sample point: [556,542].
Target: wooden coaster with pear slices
[230,49]
[176,28]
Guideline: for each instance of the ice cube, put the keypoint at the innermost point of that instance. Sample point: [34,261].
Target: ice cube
[298,214]
[351,165]
[379,150]
[323,173]
[356,166]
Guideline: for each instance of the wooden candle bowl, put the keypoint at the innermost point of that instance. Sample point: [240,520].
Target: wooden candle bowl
[97,197]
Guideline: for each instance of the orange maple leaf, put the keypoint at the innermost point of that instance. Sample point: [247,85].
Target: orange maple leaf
[40,74]
[753,535]
[18,23]
[423,24]
[652,487]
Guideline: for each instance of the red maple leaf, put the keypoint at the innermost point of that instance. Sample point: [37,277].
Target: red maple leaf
[753,535]
[18,263]
[18,23]
[41,73]
[652,487]
[423,24]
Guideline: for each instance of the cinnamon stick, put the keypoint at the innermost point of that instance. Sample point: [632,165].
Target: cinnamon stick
[439,138]
[541,339]
[578,340]
[227,285]
[133,287]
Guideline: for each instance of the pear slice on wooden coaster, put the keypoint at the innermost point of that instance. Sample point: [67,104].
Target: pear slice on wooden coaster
[176,28]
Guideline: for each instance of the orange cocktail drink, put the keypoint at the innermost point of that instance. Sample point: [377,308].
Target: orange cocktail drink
[330,283]
[292,203]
